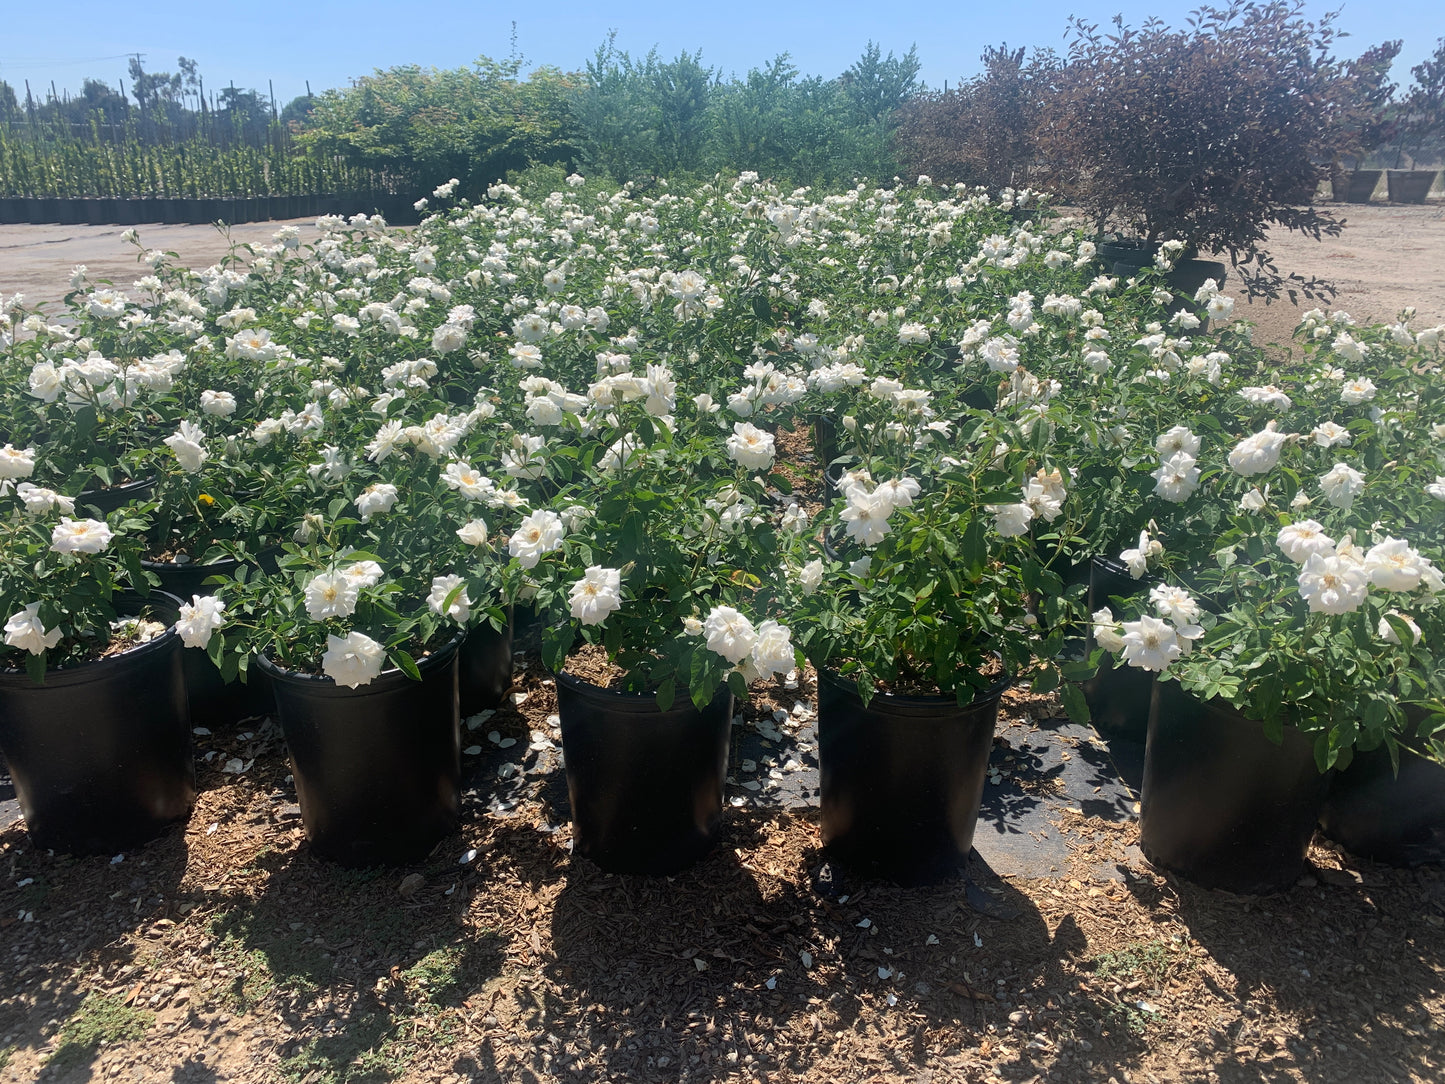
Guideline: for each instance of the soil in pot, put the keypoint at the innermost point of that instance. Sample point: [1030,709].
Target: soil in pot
[902,778]
[1222,805]
[1398,819]
[377,767]
[645,785]
[100,754]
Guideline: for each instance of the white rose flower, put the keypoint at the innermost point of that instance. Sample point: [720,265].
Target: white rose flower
[1436,488]
[448,337]
[810,576]
[38,499]
[1178,439]
[16,462]
[187,442]
[596,595]
[376,498]
[773,652]
[1393,565]
[474,533]
[729,633]
[200,617]
[442,586]
[1341,484]
[1174,604]
[1257,453]
[1387,631]
[1108,633]
[1360,390]
[1177,477]
[24,630]
[1150,644]
[1332,585]
[1299,541]
[750,447]
[539,533]
[466,480]
[330,594]
[219,403]
[1011,520]
[1330,434]
[355,660]
[80,536]
[363,573]
[866,517]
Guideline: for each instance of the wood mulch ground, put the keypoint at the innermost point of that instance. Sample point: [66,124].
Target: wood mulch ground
[226,952]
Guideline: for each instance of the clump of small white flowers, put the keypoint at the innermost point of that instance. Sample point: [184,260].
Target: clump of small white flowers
[353,660]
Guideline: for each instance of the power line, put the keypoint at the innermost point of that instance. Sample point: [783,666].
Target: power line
[27,61]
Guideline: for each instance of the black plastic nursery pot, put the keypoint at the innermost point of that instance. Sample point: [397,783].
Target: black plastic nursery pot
[105,501]
[1359,185]
[1222,805]
[484,666]
[1118,695]
[213,701]
[377,767]
[1409,185]
[100,754]
[1375,814]
[645,785]
[902,778]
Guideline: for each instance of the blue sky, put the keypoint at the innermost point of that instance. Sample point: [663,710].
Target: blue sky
[331,42]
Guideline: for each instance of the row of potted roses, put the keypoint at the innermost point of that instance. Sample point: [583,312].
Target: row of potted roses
[407,432]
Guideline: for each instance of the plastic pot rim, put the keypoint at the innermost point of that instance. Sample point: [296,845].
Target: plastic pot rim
[637,703]
[918,704]
[98,669]
[325,684]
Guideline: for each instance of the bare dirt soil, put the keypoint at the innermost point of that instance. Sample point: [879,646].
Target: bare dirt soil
[226,951]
